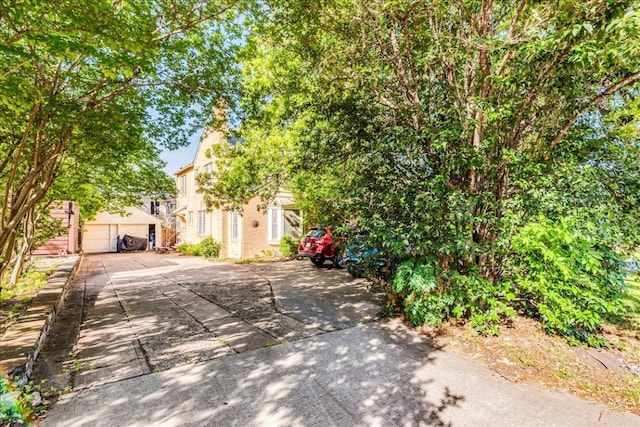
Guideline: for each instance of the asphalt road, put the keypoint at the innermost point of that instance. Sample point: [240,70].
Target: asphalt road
[169,340]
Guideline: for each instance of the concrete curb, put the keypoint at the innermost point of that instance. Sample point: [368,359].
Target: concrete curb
[22,341]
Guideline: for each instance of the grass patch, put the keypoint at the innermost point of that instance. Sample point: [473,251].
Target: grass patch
[14,300]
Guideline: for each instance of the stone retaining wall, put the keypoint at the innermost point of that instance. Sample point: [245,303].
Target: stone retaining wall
[22,341]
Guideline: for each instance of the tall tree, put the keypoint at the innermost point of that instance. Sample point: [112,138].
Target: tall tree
[446,125]
[83,78]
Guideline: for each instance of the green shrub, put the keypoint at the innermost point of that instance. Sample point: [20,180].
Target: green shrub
[430,296]
[185,248]
[567,279]
[288,246]
[559,273]
[209,248]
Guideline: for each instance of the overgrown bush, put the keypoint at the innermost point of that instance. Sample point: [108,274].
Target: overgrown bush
[288,246]
[209,248]
[429,295]
[566,278]
[185,248]
[559,273]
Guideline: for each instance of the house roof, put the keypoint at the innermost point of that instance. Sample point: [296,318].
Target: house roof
[184,169]
[132,216]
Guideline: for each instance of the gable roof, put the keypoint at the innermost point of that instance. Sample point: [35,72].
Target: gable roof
[184,169]
[133,215]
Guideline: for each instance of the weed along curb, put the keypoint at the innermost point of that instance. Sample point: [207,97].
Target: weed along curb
[21,343]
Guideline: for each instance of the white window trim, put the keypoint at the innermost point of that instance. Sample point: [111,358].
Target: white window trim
[202,223]
[235,226]
[190,218]
[183,185]
[277,211]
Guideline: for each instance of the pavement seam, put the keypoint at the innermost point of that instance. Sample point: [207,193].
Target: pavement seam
[139,348]
[231,315]
[195,318]
[274,304]
[83,314]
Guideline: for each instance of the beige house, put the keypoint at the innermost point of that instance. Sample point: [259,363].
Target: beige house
[242,235]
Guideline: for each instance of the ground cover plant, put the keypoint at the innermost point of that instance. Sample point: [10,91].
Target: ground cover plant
[15,299]
[524,352]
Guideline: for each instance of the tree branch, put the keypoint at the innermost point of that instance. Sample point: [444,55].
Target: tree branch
[631,78]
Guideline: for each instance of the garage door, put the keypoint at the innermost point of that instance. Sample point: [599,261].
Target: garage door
[100,238]
[104,237]
[135,230]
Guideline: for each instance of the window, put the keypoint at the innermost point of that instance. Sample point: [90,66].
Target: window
[235,224]
[201,223]
[274,220]
[190,217]
[208,167]
[183,185]
[292,222]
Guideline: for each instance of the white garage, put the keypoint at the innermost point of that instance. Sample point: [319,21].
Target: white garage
[101,234]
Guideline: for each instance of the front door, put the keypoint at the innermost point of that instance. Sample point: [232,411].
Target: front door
[235,235]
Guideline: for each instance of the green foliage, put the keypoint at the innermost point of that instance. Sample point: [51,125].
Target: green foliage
[207,248]
[195,250]
[632,301]
[429,295]
[567,278]
[288,246]
[14,410]
[185,248]
[449,127]
[90,90]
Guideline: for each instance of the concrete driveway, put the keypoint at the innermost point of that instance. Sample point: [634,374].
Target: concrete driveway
[168,340]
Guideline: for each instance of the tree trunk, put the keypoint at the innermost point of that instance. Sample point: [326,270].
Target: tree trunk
[18,265]
[25,247]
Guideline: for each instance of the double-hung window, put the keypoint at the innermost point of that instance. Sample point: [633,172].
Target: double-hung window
[274,220]
[183,185]
[235,225]
[202,215]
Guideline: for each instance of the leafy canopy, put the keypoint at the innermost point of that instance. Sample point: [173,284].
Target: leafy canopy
[448,127]
[87,90]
